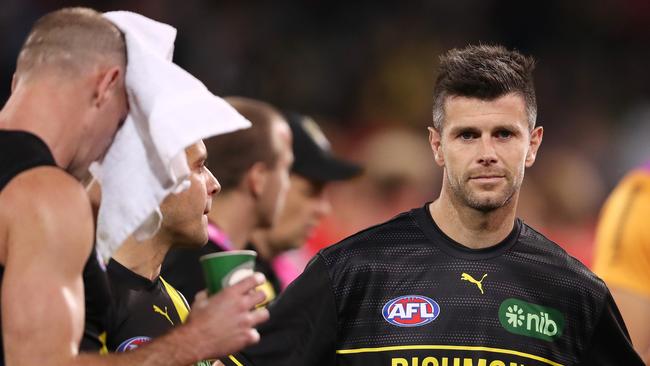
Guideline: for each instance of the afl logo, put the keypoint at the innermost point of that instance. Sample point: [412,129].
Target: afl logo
[132,343]
[411,311]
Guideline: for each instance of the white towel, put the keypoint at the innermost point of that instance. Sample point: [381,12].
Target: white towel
[169,111]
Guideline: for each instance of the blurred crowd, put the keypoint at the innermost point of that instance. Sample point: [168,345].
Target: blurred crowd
[365,71]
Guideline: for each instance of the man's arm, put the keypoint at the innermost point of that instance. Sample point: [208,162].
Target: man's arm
[49,237]
[50,231]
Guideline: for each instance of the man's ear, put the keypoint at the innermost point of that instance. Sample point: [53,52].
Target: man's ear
[435,140]
[14,82]
[256,178]
[107,83]
[535,141]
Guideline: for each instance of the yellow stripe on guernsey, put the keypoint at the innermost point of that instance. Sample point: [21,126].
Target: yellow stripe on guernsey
[102,339]
[432,361]
[179,304]
[233,359]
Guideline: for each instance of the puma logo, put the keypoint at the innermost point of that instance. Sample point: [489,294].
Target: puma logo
[163,313]
[479,284]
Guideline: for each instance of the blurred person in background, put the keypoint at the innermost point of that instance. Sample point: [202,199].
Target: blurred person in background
[622,256]
[399,174]
[252,167]
[572,191]
[460,279]
[387,187]
[307,203]
[67,101]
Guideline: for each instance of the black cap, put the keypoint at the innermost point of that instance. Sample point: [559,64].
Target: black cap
[313,158]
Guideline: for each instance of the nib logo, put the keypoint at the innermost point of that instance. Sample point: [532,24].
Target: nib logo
[532,320]
[515,316]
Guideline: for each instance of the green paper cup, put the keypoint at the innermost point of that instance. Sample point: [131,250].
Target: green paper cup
[226,268]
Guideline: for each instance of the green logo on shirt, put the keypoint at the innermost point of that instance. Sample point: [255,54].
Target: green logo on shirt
[523,318]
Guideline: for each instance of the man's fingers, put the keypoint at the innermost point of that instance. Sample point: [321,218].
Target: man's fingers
[253,336]
[248,283]
[254,298]
[200,299]
[201,295]
[259,316]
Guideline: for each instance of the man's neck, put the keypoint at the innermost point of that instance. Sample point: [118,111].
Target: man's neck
[470,227]
[144,258]
[46,109]
[234,215]
[260,241]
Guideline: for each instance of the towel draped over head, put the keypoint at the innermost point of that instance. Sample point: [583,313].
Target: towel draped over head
[169,110]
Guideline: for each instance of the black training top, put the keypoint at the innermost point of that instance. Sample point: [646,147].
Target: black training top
[98,299]
[20,151]
[404,294]
[141,309]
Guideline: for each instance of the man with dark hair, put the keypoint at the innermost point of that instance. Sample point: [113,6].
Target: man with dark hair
[457,78]
[252,167]
[68,100]
[314,168]
[461,280]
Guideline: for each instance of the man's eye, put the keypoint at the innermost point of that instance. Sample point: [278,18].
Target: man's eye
[467,135]
[504,134]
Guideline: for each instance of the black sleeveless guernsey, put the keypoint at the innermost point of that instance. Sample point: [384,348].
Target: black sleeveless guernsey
[20,151]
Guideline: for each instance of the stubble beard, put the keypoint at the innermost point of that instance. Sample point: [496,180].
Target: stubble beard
[462,191]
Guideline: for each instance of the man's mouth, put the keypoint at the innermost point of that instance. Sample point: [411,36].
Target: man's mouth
[487,178]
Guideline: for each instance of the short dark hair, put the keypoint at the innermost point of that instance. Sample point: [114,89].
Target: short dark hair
[485,72]
[71,38]
[231,155]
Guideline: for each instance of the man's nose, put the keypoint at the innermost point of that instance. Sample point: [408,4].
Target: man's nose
[487,154]
[213,184]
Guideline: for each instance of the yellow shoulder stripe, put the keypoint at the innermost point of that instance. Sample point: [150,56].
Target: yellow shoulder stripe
[233,359]
[179,304]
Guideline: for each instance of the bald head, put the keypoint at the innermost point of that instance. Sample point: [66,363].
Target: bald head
[232,154]
[71,41]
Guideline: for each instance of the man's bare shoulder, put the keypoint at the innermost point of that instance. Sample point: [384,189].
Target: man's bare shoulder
[41,204]
[42,188]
